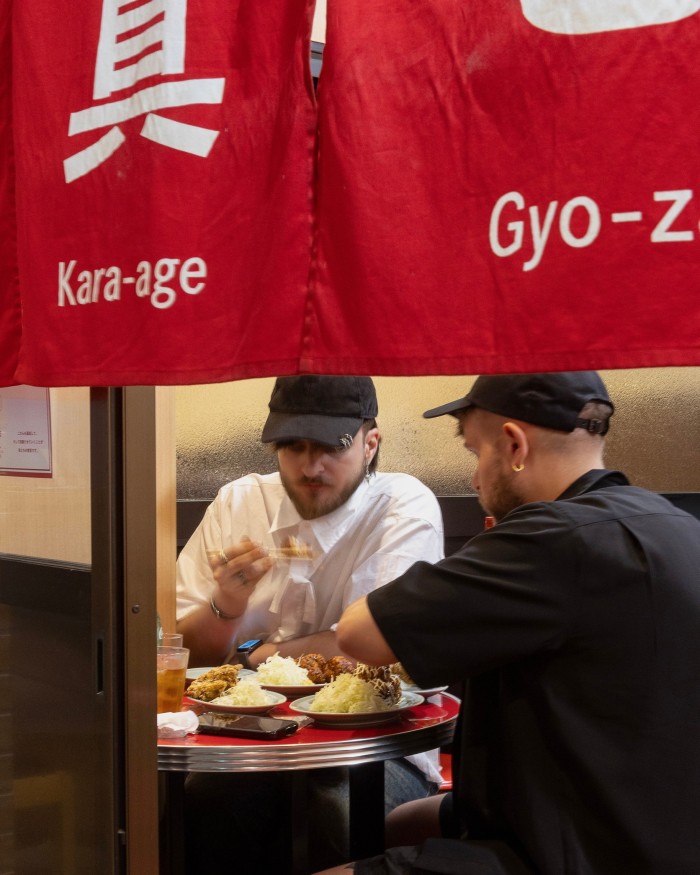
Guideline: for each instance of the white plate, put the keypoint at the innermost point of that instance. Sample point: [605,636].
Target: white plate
[356,719]
[427,691]
[272,698]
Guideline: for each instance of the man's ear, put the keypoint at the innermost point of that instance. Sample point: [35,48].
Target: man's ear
[371,443]
[517,445]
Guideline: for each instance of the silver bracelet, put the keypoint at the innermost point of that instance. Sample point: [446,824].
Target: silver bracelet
[219,613]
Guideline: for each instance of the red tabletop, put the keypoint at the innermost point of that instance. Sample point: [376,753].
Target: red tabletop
[423,727]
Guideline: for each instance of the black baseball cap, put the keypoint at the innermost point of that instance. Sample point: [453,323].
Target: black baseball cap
[323,409]
[552,400]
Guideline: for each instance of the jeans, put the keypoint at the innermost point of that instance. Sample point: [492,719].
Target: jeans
[329,802]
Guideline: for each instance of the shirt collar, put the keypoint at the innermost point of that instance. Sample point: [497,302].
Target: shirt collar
[596,479]
[326,529]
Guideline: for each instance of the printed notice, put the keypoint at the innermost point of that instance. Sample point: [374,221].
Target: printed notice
[25,432]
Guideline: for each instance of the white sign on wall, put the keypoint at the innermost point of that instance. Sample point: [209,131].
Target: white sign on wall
[25,432]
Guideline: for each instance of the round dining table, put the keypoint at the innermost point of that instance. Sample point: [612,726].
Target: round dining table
[363,749]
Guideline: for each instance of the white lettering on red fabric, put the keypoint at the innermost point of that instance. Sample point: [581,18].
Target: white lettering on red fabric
[160,282]
[509,225]
[598,16]
[679,199]
[136,43]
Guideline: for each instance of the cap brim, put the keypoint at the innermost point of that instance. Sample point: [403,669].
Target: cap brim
[327,430]
[454,408]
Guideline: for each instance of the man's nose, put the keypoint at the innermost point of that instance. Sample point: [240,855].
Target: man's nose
[313,462]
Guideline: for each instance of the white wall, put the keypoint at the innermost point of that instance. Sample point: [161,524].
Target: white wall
[50,517]
[318,29]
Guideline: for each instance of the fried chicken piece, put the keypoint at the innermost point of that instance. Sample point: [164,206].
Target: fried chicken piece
[387,685]
[323,671]
[293,548]
[339,665]
[214,682]
[397,668]
[315,666]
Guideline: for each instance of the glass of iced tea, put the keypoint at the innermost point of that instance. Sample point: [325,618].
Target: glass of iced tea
[172,667]
[171,639]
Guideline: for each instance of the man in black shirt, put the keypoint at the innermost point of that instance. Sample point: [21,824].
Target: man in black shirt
[575,622]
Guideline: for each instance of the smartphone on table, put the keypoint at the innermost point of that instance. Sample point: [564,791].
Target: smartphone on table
[246,726]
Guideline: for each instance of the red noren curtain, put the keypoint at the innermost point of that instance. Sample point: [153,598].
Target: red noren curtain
[503,185]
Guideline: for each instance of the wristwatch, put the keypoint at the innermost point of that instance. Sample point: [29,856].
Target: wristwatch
[244,650]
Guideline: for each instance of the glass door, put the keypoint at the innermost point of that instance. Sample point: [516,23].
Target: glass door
[78,566]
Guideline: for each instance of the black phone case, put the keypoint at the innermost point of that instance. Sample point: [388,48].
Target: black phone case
[246,726]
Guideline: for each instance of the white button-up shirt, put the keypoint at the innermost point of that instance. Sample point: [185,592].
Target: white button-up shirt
[385,526]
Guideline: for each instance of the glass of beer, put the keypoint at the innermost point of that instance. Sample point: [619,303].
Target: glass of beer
[172,667]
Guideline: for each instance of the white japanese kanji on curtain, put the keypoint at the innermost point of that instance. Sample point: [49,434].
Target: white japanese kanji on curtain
[164,176]
[134,46]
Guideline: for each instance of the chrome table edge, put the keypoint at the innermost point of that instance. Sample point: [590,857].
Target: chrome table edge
[271,756]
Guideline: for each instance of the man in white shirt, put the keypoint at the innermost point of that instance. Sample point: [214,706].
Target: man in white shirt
[363,530]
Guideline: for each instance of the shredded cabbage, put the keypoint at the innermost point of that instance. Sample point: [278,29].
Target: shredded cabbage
[246,692]
[282,671]
[348,694]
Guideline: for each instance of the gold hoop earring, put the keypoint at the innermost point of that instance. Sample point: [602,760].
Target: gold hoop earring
[517,468]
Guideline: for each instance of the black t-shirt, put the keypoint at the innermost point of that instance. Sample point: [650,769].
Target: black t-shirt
[577,623]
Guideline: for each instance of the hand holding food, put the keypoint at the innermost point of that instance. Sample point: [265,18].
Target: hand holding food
[236,570]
